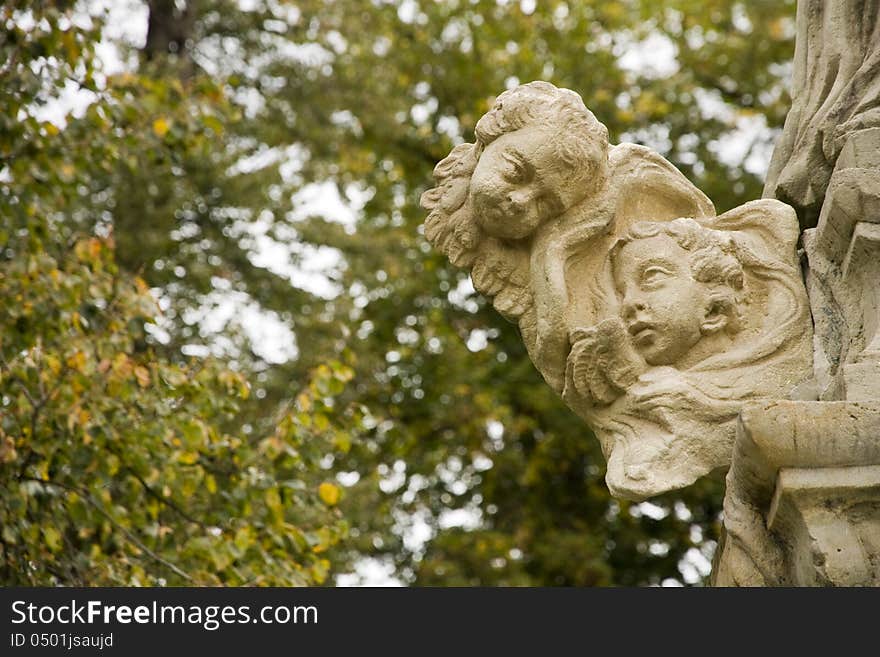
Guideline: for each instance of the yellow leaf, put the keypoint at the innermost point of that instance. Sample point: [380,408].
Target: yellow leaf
[7,449]
[72,419]
[160,127]
[211,484]
[141,285]
[77,361]
[342,442]
[54,364]
[304,402]
[273,500]
[122,366]
[188,458]
[325,540]
[321,422]
[320,570]
[142,374]
[329,493]
[52,538]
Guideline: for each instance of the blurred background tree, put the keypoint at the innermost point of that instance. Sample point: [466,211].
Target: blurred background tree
[261,170]
[119,466]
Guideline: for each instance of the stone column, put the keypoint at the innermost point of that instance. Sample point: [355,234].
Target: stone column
[843,274]
[802,506]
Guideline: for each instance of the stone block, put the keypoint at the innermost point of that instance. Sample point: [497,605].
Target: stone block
[802,505]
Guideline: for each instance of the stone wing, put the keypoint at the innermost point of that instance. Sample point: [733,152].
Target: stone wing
[499,271]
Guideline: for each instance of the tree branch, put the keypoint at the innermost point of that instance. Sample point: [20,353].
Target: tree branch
[131,537]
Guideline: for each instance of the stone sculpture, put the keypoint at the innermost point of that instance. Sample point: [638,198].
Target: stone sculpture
[702,316]
[802,505]
[827,165]
[557,184]
[654,318]
[835,96]
[684,339]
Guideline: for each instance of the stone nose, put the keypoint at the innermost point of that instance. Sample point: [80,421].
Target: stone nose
[519,197]
[631,309]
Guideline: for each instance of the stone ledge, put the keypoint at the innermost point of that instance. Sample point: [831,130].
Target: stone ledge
[803,496]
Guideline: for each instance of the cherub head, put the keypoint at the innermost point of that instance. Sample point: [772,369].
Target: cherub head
[679,286]
[540,151]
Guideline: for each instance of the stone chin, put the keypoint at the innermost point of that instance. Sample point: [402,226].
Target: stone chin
[494,221]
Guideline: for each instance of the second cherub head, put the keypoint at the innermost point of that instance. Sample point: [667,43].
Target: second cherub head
[679,286]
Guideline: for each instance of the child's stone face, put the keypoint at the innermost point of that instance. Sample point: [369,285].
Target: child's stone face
[663,306]
[517,183]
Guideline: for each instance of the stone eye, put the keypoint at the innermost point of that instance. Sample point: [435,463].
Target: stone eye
[654,275]
[514,170]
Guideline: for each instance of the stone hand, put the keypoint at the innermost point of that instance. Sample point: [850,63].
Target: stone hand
[602,363]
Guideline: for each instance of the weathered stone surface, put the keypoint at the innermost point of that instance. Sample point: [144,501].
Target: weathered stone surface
[836,94]
[540,183]
[828,165]
[803,497]
[652,317]
[843,274]
[676,334]
[688,319]
[803,500]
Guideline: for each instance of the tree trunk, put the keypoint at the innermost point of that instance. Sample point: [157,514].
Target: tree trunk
[169,28]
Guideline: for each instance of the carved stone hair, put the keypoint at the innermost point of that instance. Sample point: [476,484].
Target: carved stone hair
[582,141]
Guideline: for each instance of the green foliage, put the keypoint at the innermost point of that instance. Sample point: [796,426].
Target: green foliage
[117,466]
[113,468]
[197,164]
[469,433]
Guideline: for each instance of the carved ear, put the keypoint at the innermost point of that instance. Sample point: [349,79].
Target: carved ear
[716,318]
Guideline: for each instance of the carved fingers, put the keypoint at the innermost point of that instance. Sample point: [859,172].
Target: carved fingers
[602,363]
[581,374]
